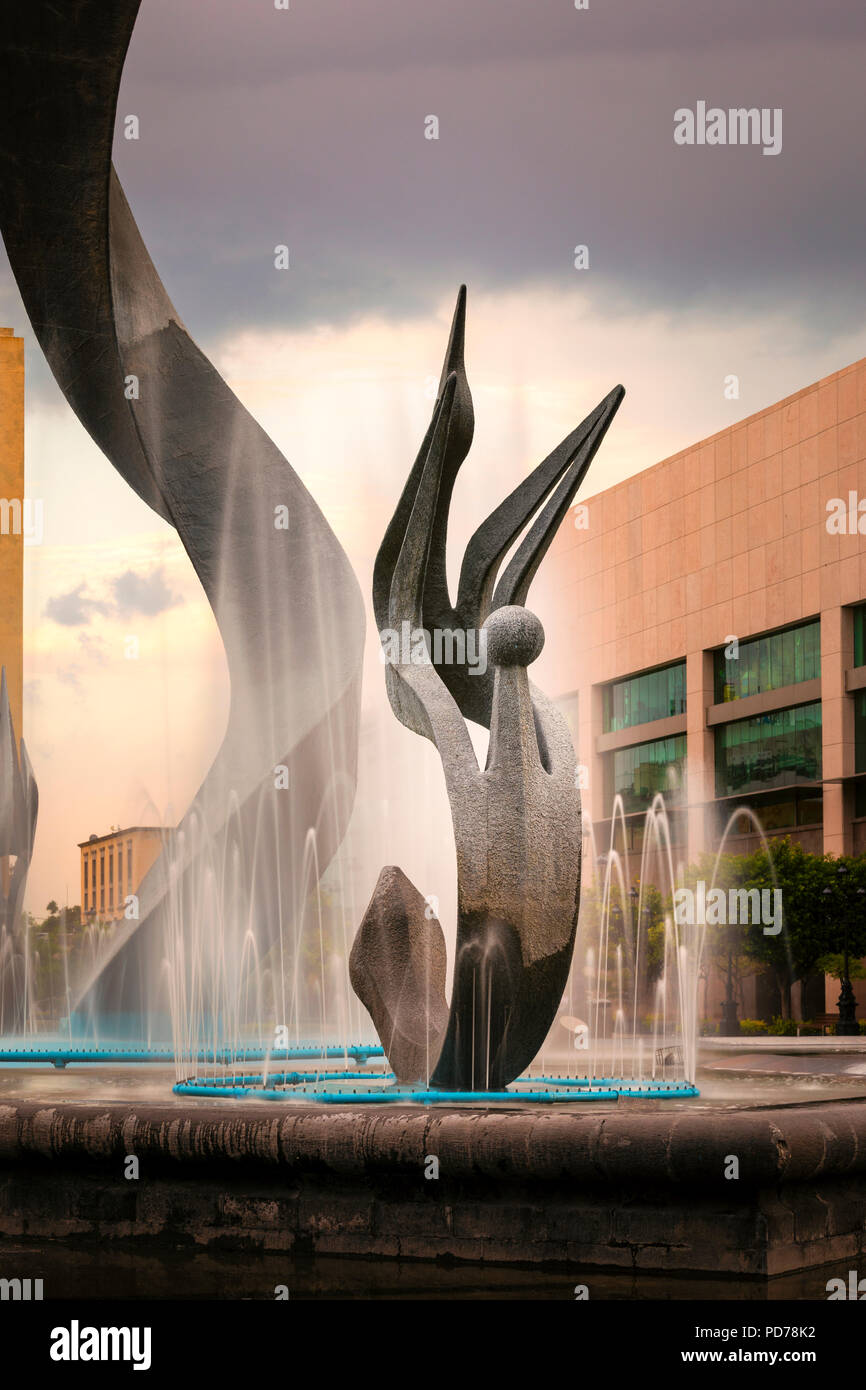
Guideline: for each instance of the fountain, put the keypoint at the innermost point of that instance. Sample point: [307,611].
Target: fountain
[207,961]
[517,821]
[564,989]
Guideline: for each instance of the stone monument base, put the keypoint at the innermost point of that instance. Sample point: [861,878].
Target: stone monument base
[631,1188]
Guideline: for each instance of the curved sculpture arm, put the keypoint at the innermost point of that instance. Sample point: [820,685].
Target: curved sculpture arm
[285,599]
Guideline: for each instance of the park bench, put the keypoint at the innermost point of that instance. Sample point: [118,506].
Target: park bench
[825,1021]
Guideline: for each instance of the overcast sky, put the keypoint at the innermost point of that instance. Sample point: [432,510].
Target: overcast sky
[306,127]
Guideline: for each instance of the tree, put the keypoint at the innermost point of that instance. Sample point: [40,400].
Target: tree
[813,921]
[834,966]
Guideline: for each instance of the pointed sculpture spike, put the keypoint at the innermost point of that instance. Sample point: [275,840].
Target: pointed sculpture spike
[513,586]
[459,438]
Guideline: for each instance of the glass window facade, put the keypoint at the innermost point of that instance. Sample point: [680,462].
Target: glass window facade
[634,832]
[788,810]
[771,750]
[860,731]
[767,663]
[640,699]
[860,635]
[637,773]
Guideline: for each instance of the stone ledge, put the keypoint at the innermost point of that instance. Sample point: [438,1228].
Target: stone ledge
[774,1146]
[614,1191]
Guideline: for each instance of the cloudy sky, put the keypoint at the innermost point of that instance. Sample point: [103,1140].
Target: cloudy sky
[306,127]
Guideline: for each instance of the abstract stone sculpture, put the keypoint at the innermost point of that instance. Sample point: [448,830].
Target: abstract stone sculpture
[287,604]
[19,805]
[397,966]
[517,821]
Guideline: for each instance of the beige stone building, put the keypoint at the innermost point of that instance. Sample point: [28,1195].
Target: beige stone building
[715,603]
[113,866]
[714,607]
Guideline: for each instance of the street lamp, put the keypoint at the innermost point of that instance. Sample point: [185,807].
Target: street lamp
[847,1003]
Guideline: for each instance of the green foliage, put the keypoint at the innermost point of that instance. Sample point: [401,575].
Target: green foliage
[813,921]
[54,944]
[620,932]
[776,1027]
[782,1027]
[834,966]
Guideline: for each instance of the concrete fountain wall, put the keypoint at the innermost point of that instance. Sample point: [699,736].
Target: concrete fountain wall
[630,1188]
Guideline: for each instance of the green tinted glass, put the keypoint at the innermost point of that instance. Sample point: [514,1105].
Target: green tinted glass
[860,635]
[768,663]
[860,731]
[640,699]
[637,773]
[775,749]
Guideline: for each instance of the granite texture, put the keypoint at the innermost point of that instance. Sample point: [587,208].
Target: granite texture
[397,966]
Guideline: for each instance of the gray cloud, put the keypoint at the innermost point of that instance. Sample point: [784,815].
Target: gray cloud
[143,595]
[260,127]
[75,608]
[237,44]
[70,675]
[306,127]
[94,648]
[132,595]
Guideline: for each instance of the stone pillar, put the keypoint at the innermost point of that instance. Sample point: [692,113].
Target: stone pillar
[837,728]
[595,761]
[700,748]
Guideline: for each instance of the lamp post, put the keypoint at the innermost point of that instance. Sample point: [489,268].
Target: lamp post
[847,1003]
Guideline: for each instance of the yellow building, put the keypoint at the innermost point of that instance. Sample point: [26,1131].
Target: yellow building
[12,518]
[113,866]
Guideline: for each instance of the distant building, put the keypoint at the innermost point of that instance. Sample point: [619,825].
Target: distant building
[113,866]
